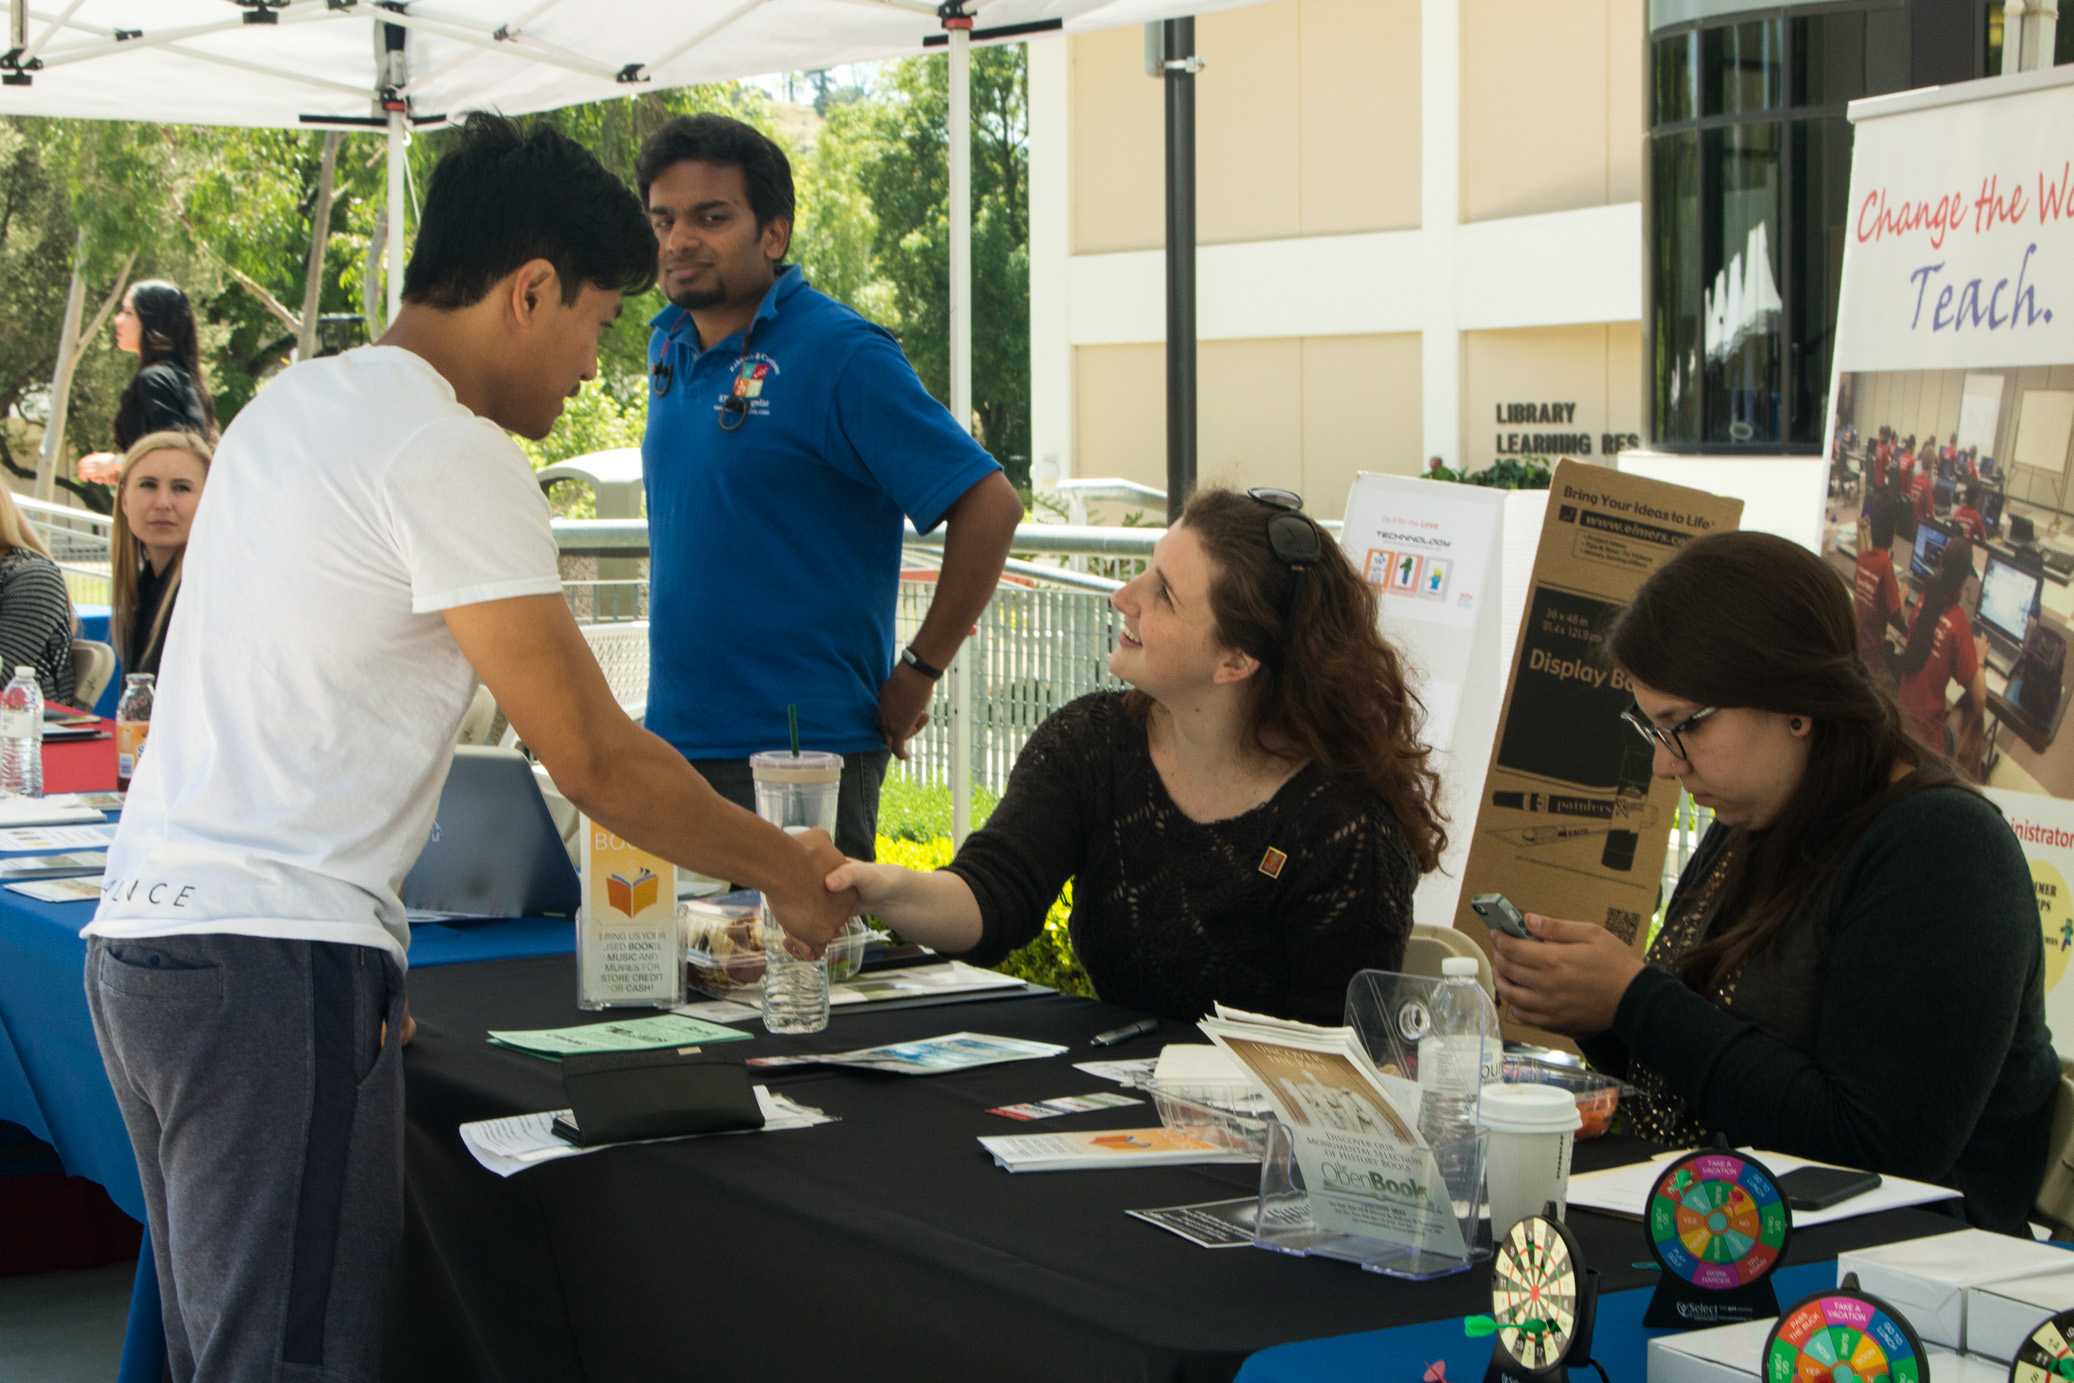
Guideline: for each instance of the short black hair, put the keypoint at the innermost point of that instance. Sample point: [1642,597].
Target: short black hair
[504,195]
[731,144]
[1880,514]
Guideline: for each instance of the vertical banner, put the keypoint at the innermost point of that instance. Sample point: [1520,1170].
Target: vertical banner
[1950,435]
[1569,821]
[1432,551]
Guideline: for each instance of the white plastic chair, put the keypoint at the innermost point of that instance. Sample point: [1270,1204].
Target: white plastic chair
[1430,945]
[93,663]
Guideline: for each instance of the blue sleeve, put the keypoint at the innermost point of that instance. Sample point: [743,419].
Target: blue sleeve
[904,439]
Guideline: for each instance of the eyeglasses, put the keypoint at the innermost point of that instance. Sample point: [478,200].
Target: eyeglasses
[1671,737]
[1292,536]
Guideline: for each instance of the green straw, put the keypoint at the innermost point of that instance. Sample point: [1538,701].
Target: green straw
[792,723]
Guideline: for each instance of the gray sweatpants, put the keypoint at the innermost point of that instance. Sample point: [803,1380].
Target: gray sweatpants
[266,1111]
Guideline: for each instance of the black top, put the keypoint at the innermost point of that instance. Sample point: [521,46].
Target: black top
[161,397]
[1897,1025]
[151,589]
[36,622]
[1170,914]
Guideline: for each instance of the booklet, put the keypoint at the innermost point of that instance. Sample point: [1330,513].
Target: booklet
[59,809]
[1129,1147]
[957,1051]
[57,837]
[86,890]
[619,1035]
[66,866]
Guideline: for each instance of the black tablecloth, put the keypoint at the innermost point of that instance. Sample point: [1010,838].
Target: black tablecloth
[886,1245]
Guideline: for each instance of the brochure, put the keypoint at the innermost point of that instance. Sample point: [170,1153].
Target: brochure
[66,866]
[1217,1224]
[59,809]
[86,890]
[57,837]
[619,1035]
[930,1056]
[512,1144]
[1064,1104]
[1129,1147]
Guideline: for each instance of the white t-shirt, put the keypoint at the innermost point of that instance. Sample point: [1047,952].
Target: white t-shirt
[310,692]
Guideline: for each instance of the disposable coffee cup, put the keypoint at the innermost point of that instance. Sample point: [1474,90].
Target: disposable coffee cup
[1532,1130]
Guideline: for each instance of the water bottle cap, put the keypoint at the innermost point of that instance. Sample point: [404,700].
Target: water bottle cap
[25,670]
[1455,966]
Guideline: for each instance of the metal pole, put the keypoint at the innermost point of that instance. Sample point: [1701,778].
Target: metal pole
[1180,66]
[961,384]
[397,210]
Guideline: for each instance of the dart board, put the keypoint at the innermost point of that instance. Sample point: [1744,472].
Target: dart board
[2047,1355]
[1718,1220]
[1845,1336]
[1534,1286]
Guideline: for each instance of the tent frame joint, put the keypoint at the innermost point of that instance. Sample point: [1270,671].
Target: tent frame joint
[633,74]
[953,15]
[261,11]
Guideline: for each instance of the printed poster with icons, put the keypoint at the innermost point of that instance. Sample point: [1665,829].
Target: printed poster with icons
[628,950]
[2044,826]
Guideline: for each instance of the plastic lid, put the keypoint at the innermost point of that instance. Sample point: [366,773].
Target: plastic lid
[1459,965]
[807,766]
[25,670]
[1527,1109]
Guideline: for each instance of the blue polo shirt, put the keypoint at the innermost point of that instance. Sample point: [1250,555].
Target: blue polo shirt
[775,547]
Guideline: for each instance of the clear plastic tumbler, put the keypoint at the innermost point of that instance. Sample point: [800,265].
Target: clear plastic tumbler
[799,792]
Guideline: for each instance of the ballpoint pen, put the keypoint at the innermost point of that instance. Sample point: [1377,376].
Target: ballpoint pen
[1126,1032]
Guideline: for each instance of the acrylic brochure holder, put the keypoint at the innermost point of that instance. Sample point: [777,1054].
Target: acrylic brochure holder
[1406,1212]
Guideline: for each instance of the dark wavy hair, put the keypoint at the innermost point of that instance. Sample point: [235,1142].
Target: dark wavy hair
[722,140]
[1946,585]
[1752,620]
[1329,687]
[166,333]
[505,194]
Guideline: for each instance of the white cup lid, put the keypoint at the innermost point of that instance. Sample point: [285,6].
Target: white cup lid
[1528,1108]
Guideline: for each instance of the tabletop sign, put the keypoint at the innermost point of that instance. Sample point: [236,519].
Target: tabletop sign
[2046,1356]
[1718,1224]
[1845,1333]
[1543,1299]
[628,951]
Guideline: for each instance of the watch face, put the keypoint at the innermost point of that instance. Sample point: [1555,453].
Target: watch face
[2048,1355]
[1843,1335]
[1534,1277]
[1717,1220]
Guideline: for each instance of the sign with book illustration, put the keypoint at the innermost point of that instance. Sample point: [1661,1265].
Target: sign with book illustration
[1570,822]
[1951,445]
[628,949]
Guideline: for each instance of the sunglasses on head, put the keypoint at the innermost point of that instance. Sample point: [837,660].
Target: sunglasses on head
[1290,535]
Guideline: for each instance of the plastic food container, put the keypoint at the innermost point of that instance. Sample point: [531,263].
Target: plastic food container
[723,944]
[1232,1117]
[1597,1095]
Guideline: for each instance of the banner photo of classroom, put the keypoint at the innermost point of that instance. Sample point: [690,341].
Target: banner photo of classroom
[1950,498]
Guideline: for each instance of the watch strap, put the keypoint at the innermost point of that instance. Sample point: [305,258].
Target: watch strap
[912,659]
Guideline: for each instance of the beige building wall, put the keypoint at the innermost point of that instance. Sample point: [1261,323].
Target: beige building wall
[1551,105]
[1307,123]
[1303,414]
[1594,371]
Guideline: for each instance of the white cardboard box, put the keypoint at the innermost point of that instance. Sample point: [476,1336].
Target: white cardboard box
[2001,1315]
[1734,1354]
[1926,1279]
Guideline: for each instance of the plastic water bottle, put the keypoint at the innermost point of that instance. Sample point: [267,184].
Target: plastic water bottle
[21,735]
[795,991]
[132,726]
[1460,1054]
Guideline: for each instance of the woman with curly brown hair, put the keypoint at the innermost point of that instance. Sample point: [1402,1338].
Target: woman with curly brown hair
[1246,824]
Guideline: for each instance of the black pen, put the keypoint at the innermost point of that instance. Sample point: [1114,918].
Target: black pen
[1126,1032]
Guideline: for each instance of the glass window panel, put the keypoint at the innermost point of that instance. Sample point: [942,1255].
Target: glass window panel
[1886,51]
[1674,310]
[1741,67]
[1828,59]
[1739,285]
[1677,78]
[1820,192]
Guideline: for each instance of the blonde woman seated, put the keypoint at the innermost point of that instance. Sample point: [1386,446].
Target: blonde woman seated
[1246,824]
[36,620]
[162,479]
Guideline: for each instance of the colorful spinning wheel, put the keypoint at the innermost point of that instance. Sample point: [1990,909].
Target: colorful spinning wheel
[1718,1221]
[1534,1295]
[2048,1355]
[1844,1336]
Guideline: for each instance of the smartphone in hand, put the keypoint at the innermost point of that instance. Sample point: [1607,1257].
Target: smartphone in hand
[1498,910]
[1818,1188]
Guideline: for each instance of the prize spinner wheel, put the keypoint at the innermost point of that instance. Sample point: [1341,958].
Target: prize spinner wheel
[1534,1294]
[1718,1221]
[2047,1355]
[1844,1336]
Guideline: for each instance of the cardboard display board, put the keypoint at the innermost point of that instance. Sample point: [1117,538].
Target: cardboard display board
[1570,823]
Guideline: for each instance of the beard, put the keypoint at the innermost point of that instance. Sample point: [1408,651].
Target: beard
[694,299]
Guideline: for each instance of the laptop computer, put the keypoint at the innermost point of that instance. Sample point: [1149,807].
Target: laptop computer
[494,850]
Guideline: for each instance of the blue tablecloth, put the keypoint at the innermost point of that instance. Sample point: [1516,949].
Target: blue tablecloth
[52,1082]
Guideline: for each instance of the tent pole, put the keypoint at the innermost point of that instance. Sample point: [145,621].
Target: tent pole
[1180,65]
[960,120]
[397,211]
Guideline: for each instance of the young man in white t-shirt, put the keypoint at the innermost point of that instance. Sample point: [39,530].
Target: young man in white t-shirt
[371,543]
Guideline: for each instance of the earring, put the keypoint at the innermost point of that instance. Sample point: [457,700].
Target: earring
[1794,724]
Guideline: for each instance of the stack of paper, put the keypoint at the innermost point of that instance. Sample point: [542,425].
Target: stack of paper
[57,837]
[930,1056]
[1624,1191]
[620,1035]
[509,1145]
[77,890]
[73,865]
[59,809]
[1132,1147]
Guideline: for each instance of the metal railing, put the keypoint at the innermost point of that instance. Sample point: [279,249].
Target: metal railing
[79,541]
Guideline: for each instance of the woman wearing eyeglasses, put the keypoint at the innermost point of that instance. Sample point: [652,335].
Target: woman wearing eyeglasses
[1850,968]
[1245,824]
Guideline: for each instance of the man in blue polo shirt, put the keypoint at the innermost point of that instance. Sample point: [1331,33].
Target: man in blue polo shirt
[787,438]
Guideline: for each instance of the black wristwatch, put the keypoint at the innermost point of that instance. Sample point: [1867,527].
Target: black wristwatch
[910,658]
